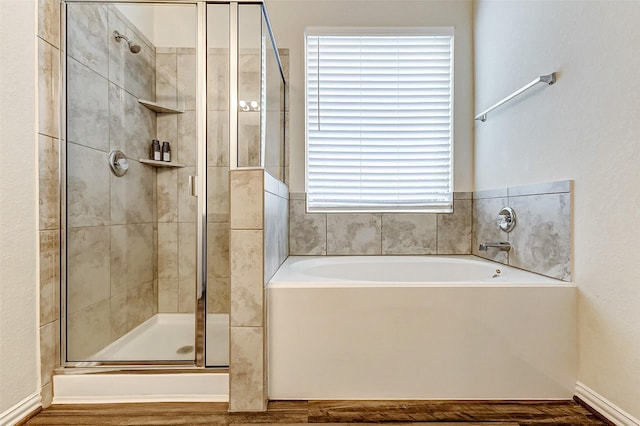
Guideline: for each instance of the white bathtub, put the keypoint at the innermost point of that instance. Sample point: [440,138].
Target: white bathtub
[418,327]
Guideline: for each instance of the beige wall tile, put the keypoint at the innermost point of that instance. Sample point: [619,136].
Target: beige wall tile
[48,178]
[186,295]
[218,250]
[48,88]
[246,377]
[187,250]
[119,313]
[133,256]
[283,228]
[187,207]
[485,228]
[275,233]
[409,233]
[88,331]
[246,199]
[88,193]
[217,138]
[187,79]
[134,73]
[49,276]
[166,80]
[218,81]
[186,141]
[274,144]
[249,139]
[167,195]
[49,350]
[46,393]
[167,295]
[307,231]
[218,194]
[49,21]
[167,130]
[247,284]
[141,304]
[249,76]
[354,234]
[88,268]
[132,126]
[87,107]
[454,229]
[167,250]
[87,34]
[218,295]
[541,240]
[133,196]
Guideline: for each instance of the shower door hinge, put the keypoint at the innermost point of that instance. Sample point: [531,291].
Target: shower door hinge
[193,186]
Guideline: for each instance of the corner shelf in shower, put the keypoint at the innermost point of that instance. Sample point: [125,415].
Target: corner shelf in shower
[159,108]
[155,163]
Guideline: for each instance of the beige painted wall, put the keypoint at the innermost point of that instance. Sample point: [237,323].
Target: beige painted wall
[18,203]
[290,17]
[586,128]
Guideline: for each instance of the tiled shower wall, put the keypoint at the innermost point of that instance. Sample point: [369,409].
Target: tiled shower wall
[177,209]
[49,209]
[541,239]
[111,277]
[320,234]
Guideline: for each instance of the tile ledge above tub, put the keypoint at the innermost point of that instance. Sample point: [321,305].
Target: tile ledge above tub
[556,187]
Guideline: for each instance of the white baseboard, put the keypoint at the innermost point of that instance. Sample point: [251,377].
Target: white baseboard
[605,407]
[21,410]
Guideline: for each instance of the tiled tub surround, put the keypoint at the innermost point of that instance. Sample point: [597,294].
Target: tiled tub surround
[111,272]
[541,239]
[259,230]
[318,234]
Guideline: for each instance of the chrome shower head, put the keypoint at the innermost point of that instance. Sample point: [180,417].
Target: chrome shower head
[134,48]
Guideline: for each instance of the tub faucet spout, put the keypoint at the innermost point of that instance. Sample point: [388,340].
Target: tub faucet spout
[502,245]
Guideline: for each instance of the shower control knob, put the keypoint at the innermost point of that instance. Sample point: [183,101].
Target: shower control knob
[506,219]
[119,162]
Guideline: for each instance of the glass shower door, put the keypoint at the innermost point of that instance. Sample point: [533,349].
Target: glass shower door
[130,266]
[218,267]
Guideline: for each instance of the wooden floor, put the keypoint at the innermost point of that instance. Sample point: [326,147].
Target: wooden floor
[343,413]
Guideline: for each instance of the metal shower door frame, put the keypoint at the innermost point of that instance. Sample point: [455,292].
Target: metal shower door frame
[201,180]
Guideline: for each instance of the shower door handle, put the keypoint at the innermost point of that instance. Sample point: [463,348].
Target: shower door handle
[193,186]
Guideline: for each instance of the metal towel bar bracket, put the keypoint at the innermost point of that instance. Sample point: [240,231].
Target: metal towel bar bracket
[549,79]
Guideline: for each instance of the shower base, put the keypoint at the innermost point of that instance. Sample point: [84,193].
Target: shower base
[163,337]
[170,337]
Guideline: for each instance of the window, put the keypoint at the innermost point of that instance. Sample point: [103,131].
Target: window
[379,120]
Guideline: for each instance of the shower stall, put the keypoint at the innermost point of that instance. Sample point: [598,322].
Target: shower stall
[145,252]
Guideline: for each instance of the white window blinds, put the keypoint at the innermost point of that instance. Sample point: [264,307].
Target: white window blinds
[379,122]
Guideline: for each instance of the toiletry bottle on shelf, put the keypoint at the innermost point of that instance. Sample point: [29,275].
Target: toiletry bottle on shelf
[166,151]
[155,150]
